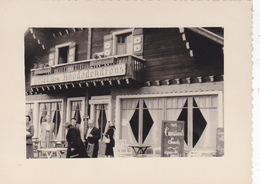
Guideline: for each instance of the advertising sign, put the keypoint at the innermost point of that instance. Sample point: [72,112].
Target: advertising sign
[172,139]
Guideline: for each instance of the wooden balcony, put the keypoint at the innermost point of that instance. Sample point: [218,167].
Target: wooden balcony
[116,68]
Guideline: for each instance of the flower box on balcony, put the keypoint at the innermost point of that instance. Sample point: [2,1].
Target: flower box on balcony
[46,70]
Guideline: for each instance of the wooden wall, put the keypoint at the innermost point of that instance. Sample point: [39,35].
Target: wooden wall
[164,51]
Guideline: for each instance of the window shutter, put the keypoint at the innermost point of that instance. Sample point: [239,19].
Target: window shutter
[108,45]
[138,42]
[71,53]
[52,56]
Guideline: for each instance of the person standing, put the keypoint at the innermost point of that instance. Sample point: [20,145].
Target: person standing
[29,135]
[76,148]
[47,132]
[92,135]
[110,135]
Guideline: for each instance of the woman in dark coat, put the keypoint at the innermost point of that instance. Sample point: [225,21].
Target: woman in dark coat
[110,134]
[29,135]
[76,148]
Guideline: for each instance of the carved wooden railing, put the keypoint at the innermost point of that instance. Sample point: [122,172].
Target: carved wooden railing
[134,66]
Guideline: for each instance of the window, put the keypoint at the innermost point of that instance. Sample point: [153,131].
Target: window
[124,43]
[61,54]
[128,41]
[54,109]
[141,120]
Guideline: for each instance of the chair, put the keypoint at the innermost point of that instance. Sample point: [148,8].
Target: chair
[122,148]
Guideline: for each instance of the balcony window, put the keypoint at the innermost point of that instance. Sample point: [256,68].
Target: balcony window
[124,44]
[61,54]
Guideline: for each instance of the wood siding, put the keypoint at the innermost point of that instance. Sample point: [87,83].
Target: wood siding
[167,57]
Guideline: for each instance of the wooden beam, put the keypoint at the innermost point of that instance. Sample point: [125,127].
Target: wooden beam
[188,80]
[73,85]
[67,31]
[37,89]
[60,86]
[54,36]
[211,78]
[74,29]
[102,83]
[54,87]
[110,82]
[66,86]
[148,83]
[118,82]
[87,84]
[48,88]
[43,89]
[60,33]
[168,81]
[158,82]
[200,79]
[177,81]
[80,85]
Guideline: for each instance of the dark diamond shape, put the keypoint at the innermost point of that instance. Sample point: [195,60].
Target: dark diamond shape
[184,117]
[56,120]
[199,124]
[77,115]
[134,122]
[147,122]
[102,119]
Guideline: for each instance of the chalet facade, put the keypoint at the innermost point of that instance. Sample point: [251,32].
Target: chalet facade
[134,77]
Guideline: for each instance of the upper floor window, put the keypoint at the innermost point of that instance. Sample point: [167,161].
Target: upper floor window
[124,43]
[128,41]
[63,53]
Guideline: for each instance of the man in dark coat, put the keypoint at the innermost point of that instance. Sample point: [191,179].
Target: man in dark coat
[92,135]
[76,148]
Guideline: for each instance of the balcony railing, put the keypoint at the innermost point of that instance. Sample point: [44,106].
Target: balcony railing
[109,68]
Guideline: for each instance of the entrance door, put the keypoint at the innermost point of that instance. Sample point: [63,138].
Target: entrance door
[76,109]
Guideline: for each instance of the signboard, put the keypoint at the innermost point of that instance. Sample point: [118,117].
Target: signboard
[220,142]
[91,73]
[172,139]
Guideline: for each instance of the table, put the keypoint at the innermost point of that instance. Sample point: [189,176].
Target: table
[139,149]
[49,151]
[59,143]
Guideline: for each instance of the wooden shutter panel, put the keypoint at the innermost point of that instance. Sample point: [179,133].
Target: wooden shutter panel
[138,42]
[108,45]
[52,57]
[71,53]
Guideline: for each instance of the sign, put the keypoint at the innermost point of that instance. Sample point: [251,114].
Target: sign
[172,139]
[220,142]
[91,73]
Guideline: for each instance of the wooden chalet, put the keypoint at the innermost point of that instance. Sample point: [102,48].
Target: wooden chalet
[134,77]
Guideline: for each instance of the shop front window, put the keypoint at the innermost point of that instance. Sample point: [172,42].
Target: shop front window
[141,120]
[54,110]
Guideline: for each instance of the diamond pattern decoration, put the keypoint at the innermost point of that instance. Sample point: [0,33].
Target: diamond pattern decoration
[147,122]
[199,123]
[134,122]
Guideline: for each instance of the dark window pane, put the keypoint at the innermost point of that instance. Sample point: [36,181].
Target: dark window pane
[147,122]
[199,124]
[134,122]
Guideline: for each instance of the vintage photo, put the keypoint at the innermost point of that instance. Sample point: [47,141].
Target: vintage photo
[124,92]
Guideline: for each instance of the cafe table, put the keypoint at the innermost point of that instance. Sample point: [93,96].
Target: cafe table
[139,149]
[49,151]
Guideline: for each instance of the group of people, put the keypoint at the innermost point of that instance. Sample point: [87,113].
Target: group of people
[77,148]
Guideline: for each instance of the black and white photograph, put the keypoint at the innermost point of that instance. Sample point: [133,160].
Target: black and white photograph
[103,91]
[129,92]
